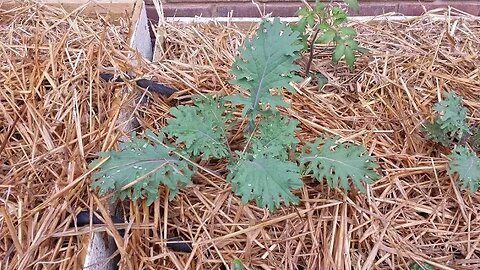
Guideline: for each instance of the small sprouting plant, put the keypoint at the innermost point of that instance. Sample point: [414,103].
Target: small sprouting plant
[451,121]
[328,25]
[237,265]
[450,128]
[421,266]
[262,170]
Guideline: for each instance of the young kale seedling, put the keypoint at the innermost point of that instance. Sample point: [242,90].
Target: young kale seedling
[450,127]
[262,171]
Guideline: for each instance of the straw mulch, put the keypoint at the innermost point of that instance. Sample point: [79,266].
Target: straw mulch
[55,115]
[60,114]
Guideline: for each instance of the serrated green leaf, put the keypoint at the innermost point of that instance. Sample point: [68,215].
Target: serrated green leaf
[267,62]
[140,160]
[353,4]
[201,127]
[300,26]
[435,133]
[319,7]
[327,36]
[324,26]
[452,115]
[337,163]
[310,19]
[466,163]
[421,266]
[267,180]
[348,31]
[338,53]
[349,57]
[321,80]
[339,15]
[351,43]
[274,136]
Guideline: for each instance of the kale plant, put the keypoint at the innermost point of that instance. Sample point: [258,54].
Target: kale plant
[450,128]
[450,123]
[263,170]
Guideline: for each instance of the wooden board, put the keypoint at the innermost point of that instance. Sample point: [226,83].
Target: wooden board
[114,7]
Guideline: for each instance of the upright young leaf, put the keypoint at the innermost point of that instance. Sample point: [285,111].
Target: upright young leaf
[452,115]
[149,164]
[466,163]
[339,16]
[352,44]
[421,266]
[275,136]
[319,7]
[338,163]
[301,27]
[327,36]
[348,31]
[266,63]
[450,122]
[349,57]
[267,180]
[238,265]
[201,127]
[338,53]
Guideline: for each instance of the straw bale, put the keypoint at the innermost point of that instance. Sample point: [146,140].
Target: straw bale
[415,212]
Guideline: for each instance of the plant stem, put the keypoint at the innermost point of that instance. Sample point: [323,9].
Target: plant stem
[310,58]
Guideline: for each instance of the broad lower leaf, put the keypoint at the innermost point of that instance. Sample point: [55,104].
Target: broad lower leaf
[327,37]
[267,180]
[349,57]
[266,63]
[352,44]
[338,53]
[466,163]
[275,136]
[201,127]
[338,163]
[348,31]
[137,171]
